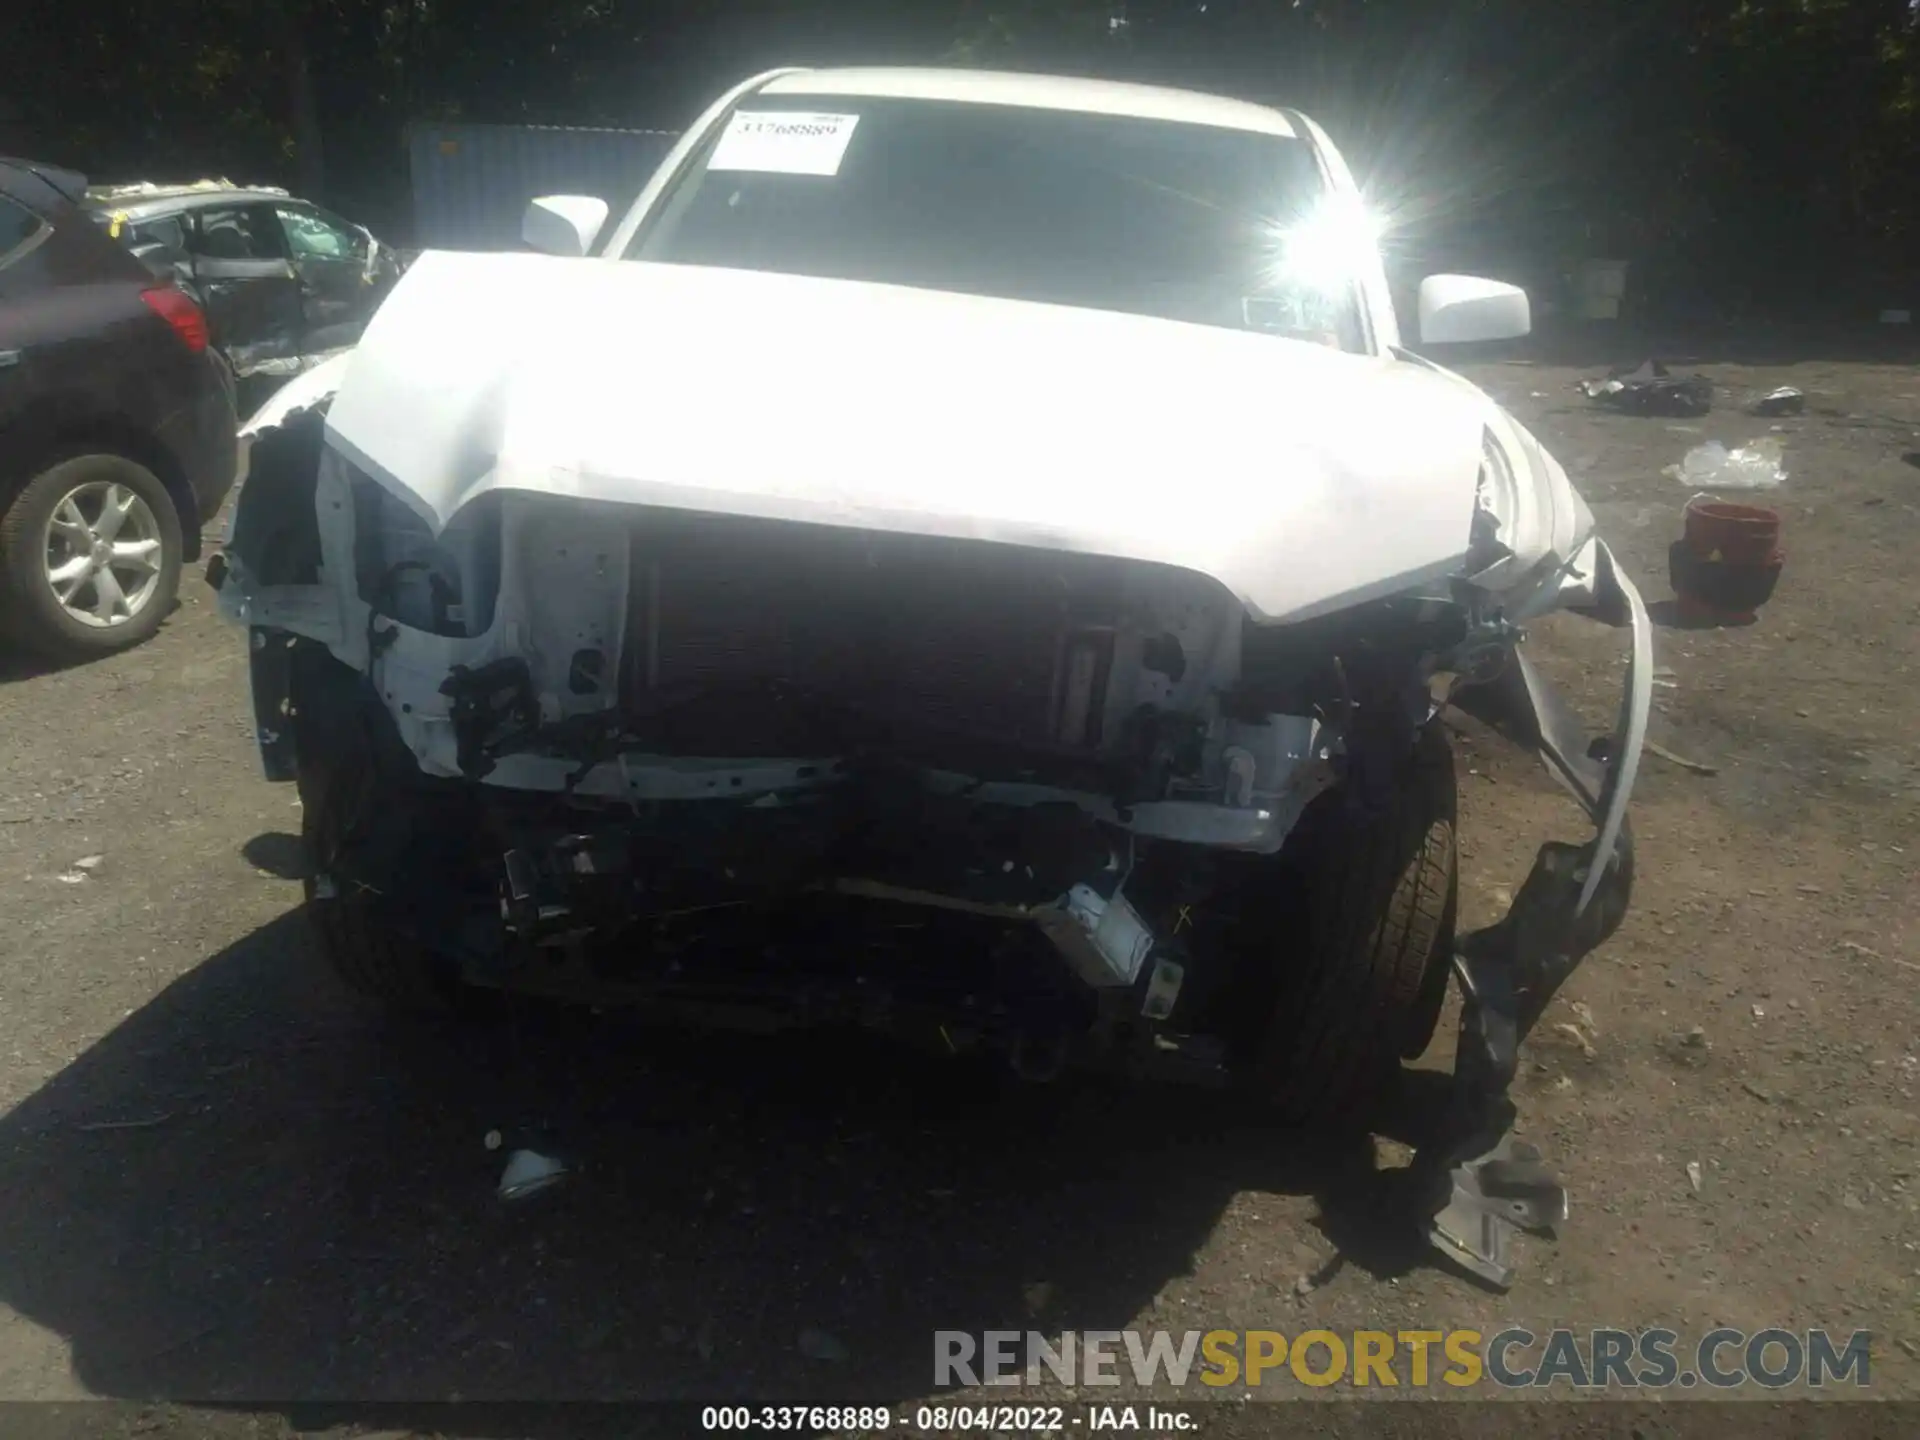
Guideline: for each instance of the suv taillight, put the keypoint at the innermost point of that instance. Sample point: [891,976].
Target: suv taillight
[181,313]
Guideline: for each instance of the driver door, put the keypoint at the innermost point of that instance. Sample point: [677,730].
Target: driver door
[334,261]
[247,285]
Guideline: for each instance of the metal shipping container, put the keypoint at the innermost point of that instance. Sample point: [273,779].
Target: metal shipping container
[471,183]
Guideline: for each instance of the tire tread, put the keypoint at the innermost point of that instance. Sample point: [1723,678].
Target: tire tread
[368,957]
[1380,899]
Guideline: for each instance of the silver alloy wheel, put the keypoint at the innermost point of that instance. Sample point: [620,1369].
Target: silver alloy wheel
[103,553]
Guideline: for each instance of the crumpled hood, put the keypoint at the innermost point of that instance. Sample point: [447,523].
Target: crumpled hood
[1300,478]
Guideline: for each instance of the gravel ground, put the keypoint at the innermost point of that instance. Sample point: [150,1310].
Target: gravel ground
[221,1182]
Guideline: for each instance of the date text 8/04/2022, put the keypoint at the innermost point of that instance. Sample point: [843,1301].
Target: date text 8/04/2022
[947,1419]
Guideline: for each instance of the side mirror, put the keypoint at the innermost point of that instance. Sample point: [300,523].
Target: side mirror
[1463,309]
[563,224]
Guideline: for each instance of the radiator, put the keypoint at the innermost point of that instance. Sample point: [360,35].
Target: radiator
[986,640]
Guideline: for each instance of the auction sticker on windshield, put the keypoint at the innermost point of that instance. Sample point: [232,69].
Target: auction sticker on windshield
[784,142]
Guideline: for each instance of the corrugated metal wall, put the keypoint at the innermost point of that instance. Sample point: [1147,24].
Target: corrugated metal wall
[471,183]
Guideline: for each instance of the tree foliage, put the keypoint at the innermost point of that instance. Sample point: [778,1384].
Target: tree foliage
[1746,141]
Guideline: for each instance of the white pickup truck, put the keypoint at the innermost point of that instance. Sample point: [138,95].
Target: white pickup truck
[964,553]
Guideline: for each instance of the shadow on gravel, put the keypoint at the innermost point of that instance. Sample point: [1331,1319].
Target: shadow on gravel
[1668,616]
[281,855]
[17,663]
[252,1192]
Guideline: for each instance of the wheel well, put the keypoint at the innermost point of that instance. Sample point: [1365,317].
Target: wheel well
[1272,895]
[34,449]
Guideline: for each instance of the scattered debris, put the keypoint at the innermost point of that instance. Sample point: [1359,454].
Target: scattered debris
[1584,1014]
[71,877]
[1695,1177]
[819,1345]
[1696,766]
[1303,1286]
[1758,1013]
[1651,389]
[88,862]
[528,1173]
[1666,680]
[1696,1038]
[492,1140]
[1562,1084]
[1759,465]
[1756,1092]
[1784,401]
[1578,1037]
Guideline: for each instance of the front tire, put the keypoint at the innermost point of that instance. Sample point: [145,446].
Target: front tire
[364,950]
[90,554]
[1369,923]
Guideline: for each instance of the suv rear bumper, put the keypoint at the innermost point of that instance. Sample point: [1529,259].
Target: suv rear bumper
[199,439]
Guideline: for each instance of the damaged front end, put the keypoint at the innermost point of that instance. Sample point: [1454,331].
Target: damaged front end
[995,797]
[1484,1185]
[612,735]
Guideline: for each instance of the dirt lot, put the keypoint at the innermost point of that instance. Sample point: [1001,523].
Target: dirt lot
[219,1181]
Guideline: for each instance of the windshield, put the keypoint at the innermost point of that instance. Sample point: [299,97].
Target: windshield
[1149,217]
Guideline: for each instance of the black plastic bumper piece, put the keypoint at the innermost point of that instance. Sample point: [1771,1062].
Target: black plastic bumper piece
[1482,1186]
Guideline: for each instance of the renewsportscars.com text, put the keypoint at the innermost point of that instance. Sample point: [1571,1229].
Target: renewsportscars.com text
[1513,1358]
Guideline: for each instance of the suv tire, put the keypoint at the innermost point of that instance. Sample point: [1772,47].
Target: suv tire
[90,554]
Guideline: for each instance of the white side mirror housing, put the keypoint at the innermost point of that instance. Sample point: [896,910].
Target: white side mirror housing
[1463,309]
[563,224]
